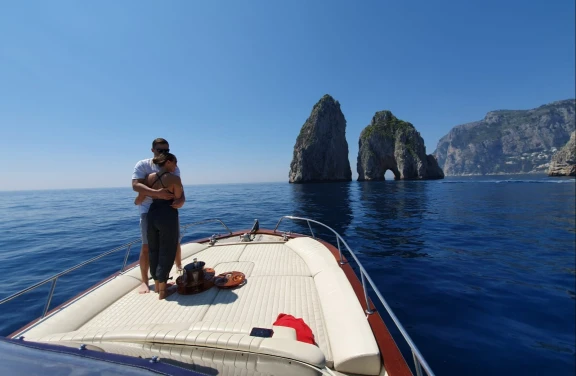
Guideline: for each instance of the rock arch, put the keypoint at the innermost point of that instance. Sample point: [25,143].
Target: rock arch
[392,144]
[394,172]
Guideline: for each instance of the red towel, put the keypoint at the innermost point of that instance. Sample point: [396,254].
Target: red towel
[303,331]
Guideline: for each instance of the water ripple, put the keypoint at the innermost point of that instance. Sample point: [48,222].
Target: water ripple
[479,270]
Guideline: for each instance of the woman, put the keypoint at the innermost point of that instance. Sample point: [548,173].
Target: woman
[163,222]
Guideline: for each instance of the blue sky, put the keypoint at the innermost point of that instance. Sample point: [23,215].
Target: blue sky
[86,86]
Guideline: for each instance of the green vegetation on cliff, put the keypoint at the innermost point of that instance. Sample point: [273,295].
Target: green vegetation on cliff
[386,125]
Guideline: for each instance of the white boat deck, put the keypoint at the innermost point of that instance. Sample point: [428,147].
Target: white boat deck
[278,282]
[299,277]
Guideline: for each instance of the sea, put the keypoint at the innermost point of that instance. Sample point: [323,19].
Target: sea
[479,270]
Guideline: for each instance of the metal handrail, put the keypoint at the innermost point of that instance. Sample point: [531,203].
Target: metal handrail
[128,246]
[55,277]
[183,228]
[419,361]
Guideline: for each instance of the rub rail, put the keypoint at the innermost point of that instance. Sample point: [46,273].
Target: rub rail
[419,361]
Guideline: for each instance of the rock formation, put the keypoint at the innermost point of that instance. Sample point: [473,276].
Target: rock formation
[564,162]
[392,144]
[507,141]
[321,150]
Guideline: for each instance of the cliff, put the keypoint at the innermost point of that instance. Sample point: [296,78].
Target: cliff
[507,141]
[392,144]
[564,162]
[321,149]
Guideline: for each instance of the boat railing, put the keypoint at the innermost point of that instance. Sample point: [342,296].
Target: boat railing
[185,227]
[53,279]
[128,246]
[419,361]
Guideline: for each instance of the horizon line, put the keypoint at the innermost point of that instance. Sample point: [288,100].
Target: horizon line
[269,182]
[129,187]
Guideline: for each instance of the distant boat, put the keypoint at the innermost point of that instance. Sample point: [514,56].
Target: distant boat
[221,319]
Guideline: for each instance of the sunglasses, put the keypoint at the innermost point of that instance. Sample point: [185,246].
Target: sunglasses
[163,150]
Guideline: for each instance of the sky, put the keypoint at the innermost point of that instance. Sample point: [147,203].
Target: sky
[86,86]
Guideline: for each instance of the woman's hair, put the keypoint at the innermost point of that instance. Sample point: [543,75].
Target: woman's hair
[163,158]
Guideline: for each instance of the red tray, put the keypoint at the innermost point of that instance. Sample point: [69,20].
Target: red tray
[223,282]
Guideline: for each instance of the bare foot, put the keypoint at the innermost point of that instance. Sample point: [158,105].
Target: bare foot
[167,292]
[143,289]
[157,286]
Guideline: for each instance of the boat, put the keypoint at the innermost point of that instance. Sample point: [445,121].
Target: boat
[214,326]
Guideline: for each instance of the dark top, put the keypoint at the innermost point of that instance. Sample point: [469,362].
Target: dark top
[159,179]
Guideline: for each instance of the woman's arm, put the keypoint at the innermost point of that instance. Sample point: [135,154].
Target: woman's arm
[177,187]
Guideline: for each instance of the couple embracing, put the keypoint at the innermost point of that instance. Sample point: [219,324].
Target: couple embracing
[160,195]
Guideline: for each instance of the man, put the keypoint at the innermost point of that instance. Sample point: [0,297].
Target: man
[142,169]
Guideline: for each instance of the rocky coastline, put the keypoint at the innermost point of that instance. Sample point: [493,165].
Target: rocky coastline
[564,162]
[507,142]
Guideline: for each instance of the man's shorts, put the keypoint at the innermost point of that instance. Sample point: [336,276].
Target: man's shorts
[144,228]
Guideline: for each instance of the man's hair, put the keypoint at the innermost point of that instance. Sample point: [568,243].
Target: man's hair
[163,158]
[159,141]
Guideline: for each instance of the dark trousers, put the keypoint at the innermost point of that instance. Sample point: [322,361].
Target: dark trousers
[163,232]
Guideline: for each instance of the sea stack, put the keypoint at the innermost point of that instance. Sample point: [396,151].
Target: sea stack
[564,162]
[392,144]
[508,141]
[321,150]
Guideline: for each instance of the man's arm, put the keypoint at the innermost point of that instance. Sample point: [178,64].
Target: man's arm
[139,177]
[139,186]
[139,199]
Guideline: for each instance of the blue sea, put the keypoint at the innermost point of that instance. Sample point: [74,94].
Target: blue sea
[480,271]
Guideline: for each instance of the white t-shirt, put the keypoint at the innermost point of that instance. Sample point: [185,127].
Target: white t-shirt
[141,170]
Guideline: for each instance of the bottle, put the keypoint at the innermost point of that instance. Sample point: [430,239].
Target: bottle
[184,277]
